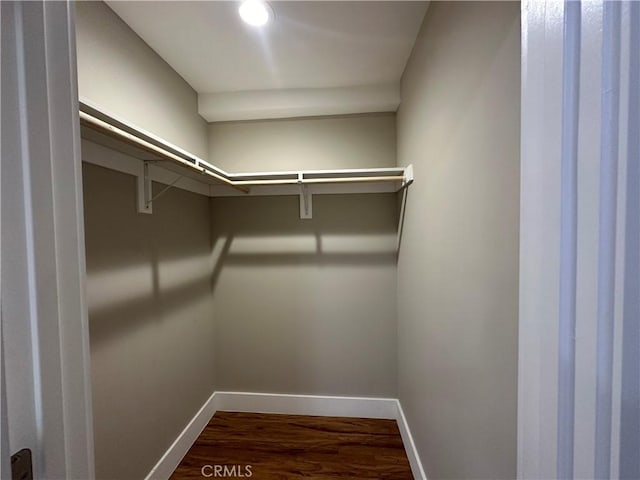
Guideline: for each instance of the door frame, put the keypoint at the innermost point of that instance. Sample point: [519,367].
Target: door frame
[44,312]
[579,237]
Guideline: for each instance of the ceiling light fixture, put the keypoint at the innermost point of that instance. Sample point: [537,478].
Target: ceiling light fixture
[255,12]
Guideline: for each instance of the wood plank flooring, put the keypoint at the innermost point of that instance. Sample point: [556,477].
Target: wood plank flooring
[282,447]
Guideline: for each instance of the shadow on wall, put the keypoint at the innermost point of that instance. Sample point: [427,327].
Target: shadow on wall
[243,285]
[142,268]
[305,306]
[150,306]
[346,230]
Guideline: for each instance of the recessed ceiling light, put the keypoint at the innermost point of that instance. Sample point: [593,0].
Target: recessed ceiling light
[255,12]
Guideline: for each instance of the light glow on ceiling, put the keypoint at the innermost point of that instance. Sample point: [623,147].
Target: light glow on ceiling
[255,12]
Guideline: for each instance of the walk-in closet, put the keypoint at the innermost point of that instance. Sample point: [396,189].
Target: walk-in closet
[271,215]
[286,240]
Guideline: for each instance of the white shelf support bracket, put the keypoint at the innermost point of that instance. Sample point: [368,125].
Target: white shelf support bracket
[306,210]
[144,190]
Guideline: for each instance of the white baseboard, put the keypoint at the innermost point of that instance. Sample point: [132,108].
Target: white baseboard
[327,406]
[409,445]
[179,448]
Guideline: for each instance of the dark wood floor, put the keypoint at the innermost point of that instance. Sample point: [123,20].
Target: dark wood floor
[294,447]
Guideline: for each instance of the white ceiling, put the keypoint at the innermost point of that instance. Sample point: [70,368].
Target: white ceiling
[311,49]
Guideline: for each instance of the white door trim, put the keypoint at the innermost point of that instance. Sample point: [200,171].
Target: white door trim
[579,267]
[43,238]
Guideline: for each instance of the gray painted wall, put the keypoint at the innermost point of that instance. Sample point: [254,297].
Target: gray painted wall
[150,314]
[121,74]
[351,141]
[306,306]
[458,267]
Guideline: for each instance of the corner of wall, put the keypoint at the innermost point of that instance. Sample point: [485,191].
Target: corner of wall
[458,124]
[115,71]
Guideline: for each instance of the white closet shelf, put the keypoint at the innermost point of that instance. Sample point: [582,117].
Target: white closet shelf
[150,151]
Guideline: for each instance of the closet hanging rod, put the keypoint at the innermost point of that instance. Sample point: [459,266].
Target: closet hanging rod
[240,184]
[97,124]
[307,181]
